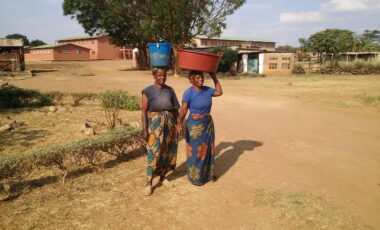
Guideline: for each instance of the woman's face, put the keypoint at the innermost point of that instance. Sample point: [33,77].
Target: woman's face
[160,77]
[197,80]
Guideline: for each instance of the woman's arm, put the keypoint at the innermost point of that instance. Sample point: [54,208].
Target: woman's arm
[144,116]
[182,115]
[218,88]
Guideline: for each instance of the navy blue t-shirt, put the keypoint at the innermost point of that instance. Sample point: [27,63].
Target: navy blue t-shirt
[163,99]
[199,102]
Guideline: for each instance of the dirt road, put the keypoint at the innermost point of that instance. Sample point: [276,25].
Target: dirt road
[282,164]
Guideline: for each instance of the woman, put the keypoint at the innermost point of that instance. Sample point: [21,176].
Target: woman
[159,118]
[200,136]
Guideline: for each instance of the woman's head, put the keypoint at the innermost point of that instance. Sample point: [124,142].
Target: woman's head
[196,78]
[159,75]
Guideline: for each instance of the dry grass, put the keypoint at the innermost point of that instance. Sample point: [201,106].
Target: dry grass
[329,90]
[302,210]
[43,129]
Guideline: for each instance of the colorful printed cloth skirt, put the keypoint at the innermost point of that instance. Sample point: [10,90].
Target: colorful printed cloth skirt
[162,143]
[200,149]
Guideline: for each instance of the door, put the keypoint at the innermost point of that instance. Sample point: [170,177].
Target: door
[253,64]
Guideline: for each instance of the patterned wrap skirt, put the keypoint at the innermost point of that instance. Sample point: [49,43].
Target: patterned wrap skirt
[162,143]
[200,149]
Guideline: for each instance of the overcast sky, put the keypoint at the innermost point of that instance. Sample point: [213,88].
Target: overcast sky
[281,21]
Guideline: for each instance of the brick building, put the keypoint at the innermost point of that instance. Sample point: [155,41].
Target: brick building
[58,52]
[100,47]
[238,43]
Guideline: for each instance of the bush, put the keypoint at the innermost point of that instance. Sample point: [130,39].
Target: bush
[230,56]
[113,101]
[87,151]
[298,69]
[359,67]
[14,97]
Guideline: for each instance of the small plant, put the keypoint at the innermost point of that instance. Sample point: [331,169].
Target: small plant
[114,101]
[298,69]
[14,97]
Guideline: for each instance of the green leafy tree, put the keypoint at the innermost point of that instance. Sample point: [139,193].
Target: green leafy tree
[229,57]
[142,21]
[373,36]
[19,36]
[330,41]
[37,42]
[369,41]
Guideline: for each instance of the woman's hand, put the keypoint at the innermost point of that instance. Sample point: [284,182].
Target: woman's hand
[212,75]
[179,129]
[146,135]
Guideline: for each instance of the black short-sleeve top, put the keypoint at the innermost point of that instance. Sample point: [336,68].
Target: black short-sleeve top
[163,99]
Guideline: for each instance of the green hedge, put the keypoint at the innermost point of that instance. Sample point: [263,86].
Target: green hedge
[14,97]
[88,151]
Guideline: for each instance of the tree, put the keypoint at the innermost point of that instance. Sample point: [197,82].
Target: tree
[19,36]
[372,36]
[230,56]
[369,41]
[137,22]
[330,41]
[37,42]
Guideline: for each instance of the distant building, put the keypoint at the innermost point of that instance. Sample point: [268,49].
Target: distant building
[58,52]
[239,43]
[11,55]
[100,47]
[268,63]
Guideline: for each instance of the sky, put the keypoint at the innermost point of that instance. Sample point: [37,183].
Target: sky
[280,21]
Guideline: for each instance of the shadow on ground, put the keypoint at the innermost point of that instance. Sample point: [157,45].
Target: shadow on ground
[227,153]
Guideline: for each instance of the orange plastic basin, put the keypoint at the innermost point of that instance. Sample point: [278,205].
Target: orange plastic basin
[200,61]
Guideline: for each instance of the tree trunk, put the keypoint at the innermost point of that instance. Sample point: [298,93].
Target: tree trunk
[143,57]
[176,69]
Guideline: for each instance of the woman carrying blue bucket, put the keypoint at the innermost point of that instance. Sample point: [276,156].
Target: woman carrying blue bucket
[159,118]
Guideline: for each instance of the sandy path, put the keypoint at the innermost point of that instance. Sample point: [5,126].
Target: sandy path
[263,142]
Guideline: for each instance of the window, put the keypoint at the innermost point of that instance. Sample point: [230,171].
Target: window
[285,65]
[286,58]
[65,51]
[272,59]
[272,65]
[79,51]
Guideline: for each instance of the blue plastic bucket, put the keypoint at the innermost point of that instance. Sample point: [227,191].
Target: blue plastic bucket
[159,54]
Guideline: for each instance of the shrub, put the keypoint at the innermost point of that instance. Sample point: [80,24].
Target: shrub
[360,67]
[230,56]
[88,151]
[298,69]
[14,97]
[113,101]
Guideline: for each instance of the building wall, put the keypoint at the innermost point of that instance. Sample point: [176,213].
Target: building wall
[278,63]
[61,53]
[40,55]
[205,42]
[106,50]
[91,44]
[101,48]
